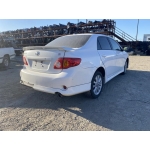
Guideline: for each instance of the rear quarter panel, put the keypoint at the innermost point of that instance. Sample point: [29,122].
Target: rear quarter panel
[90,62]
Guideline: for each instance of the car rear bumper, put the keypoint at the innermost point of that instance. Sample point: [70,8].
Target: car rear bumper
[52,83]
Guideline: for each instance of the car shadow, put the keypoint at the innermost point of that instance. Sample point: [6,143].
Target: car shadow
[124,103]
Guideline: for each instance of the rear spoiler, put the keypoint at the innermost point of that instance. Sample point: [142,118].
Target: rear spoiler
[46,48]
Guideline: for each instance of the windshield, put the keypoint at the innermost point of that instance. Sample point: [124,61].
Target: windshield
[72,41]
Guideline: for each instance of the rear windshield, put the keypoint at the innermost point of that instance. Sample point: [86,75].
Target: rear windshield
[73,41]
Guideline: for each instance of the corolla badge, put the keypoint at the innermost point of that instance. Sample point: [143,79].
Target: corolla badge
[37,53]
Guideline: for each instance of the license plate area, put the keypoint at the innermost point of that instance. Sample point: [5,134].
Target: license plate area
[40,64]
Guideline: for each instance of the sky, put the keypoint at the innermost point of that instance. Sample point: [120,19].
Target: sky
[127,25]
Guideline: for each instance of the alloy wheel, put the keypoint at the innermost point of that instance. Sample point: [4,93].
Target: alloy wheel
[97,85]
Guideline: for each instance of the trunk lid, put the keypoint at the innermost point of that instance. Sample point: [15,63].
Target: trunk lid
[42,59]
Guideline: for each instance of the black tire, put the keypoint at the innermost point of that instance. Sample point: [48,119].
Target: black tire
[125,68]
[6,62]
[96,91]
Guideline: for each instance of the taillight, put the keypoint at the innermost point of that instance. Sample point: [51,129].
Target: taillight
[64,63]
[25,61]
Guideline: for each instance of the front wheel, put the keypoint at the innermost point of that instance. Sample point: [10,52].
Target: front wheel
[96,85]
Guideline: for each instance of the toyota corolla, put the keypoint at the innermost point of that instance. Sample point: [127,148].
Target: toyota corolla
[73,64]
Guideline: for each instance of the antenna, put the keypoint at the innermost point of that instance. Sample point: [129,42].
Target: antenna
[137,29]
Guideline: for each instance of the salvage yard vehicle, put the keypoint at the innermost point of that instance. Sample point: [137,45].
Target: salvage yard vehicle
[6,54]
[73,64]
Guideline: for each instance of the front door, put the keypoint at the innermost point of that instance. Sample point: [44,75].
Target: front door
[120,60]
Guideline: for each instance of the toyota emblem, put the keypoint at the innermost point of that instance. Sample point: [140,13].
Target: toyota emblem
[37,53]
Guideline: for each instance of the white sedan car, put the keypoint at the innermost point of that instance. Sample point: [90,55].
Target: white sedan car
[73,64]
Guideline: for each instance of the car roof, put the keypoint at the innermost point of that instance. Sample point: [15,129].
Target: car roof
[92,34]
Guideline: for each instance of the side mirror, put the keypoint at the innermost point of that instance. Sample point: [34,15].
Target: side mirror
[125,48]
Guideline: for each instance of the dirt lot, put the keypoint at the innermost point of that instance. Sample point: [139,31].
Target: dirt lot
[124,103]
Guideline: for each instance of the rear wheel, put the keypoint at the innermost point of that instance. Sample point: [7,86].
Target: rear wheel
[96,85]
[6,62]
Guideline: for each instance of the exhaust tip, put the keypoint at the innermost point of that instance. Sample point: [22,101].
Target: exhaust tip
[59,94]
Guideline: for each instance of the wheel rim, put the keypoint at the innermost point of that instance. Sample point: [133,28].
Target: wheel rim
[6,62]
[97,85]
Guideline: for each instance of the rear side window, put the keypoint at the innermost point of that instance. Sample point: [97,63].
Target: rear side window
[115,45]
[98,45]
[103,43]
[73,41]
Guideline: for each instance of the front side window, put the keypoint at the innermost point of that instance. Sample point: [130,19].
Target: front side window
[104,44]
[114,44]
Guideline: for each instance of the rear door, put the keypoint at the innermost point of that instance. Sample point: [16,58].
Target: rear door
[107,55]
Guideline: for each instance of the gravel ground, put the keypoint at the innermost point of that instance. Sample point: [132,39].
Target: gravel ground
[124,103]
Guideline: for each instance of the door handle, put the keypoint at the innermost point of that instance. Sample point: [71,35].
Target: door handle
[107,56]
[104,56]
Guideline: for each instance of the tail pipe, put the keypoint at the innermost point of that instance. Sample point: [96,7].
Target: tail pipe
[59,94]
